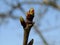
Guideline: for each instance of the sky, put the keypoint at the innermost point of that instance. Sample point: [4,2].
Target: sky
[11,33]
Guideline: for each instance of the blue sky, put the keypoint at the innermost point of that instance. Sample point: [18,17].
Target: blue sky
[11,33]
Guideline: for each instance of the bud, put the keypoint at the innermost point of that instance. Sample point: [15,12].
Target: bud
[30,14]
[22,22]
[31,42]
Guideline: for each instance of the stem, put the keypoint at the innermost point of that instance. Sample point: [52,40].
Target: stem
[26,36]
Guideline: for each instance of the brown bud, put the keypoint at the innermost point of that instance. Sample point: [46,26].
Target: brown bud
[22,22]
[30,14]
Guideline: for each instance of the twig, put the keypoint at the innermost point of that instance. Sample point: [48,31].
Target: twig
[27,25]
[26,34]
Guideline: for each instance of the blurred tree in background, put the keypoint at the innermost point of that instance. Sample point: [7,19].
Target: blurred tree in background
[47,21]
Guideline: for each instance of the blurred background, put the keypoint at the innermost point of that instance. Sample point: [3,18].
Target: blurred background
[46,30]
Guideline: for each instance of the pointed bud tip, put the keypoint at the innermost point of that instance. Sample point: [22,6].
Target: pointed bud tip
[21,18]
[22,22]
[31,11]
